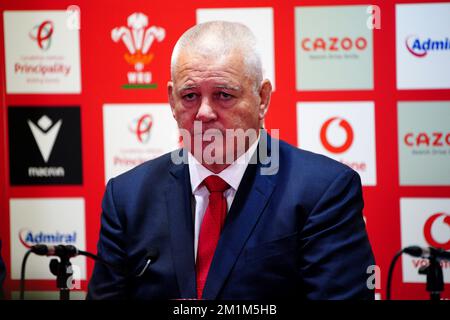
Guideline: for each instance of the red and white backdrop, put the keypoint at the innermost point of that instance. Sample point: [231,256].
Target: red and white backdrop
[83,98]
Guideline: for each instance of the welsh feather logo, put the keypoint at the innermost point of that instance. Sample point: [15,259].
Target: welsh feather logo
[42,34]
[138,38]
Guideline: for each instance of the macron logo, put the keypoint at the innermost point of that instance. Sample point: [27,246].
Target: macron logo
[45,133]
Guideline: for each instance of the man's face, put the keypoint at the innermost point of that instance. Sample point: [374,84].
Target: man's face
[218,93]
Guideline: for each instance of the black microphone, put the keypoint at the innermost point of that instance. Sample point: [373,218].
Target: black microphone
[72,251]
[152,255]
[420,252]
[58,250]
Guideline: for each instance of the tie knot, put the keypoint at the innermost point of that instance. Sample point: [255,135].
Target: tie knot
[215,184]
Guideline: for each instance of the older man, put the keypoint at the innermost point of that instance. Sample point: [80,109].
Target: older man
[218,224]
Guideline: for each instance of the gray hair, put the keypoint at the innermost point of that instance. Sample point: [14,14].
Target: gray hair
[219,38]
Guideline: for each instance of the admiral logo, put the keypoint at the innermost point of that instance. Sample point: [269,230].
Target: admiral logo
[28,239]
[141,127]
[138,38]
[45,145]
[421,47]
[334,44]
[49,221]
[42,34]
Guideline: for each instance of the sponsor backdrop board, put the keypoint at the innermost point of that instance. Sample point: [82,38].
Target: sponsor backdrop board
[423,46]
[333,48]
[42,52]
[135,133]
[84,98]
[44,145]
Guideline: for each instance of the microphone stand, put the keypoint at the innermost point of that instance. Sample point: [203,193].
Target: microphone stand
[62,269]
[435,278]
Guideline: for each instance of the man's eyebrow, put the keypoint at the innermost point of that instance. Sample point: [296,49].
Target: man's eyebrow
[220,86]
[229,87]
[187,87]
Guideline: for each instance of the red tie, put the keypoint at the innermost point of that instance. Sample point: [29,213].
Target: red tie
[210,229]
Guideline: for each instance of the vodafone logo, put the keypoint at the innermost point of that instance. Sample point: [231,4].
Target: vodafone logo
[42,34]
[141,127]
[344,126]
[334,44]
[424,222]
[437,220]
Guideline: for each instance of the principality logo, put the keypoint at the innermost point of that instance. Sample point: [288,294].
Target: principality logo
[42,34]
[138,39]
[344,124]
[141,127]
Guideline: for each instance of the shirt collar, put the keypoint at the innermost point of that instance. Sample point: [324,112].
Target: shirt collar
[232,174]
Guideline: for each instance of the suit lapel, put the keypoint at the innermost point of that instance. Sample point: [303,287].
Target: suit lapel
[178,199]
[252,197]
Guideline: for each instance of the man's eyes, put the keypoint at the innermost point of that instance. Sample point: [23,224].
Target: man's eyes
[222,95]
[190,96]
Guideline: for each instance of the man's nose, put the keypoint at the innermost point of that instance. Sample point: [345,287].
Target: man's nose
[205,112]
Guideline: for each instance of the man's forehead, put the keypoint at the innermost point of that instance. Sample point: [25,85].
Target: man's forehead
[188,75]
[209,58]
[194,69]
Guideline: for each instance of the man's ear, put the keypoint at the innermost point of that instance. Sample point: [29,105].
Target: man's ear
[171,98]
[264,94]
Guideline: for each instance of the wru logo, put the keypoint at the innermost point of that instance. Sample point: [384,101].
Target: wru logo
[138,39]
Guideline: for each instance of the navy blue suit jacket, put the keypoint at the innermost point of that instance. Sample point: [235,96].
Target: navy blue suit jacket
[298,233]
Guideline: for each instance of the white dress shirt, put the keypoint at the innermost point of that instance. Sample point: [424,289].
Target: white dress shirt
[232,175]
